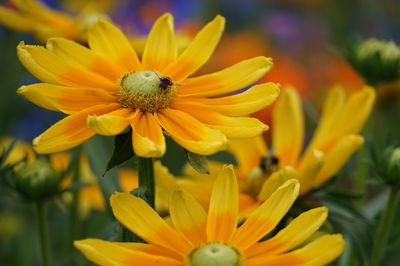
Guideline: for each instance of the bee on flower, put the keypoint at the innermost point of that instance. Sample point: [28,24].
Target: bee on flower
[106,89]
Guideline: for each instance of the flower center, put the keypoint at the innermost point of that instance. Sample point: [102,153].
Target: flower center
[215,254]
[253,182]
[145,90]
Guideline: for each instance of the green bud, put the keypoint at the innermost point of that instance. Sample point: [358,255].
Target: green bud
[394,165]
[37,180]
[377,61]
[215,254]
[389,166]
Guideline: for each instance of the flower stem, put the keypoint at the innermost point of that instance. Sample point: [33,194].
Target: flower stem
[146,191]
[146,180]
[384,226]
[43,237]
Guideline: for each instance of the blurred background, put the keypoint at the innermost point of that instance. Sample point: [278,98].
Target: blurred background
[305,38]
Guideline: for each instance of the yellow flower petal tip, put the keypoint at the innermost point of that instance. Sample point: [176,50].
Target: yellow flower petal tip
[144,147]
[107,125]
[292,185]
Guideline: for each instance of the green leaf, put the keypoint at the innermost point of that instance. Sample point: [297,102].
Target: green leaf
[198,162]
[123,150]
[349,221]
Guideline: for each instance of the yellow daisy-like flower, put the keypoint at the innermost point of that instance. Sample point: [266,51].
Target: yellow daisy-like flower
[104,89]
[199,239]
[32,16]
[261,170]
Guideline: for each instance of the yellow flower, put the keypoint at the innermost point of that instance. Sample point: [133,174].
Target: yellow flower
[334,141]
[20,151]
[261,170]
[198,238]
[105,89]
[32,16]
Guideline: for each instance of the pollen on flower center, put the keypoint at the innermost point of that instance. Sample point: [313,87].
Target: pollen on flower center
[145,90]
[215,254]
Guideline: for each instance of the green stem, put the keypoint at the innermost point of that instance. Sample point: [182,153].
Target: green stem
[362,167]
[146,191]
[43,237]
[146,180]
[384,226]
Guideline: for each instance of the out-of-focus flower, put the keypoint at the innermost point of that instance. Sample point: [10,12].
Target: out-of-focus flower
[105,89]
[198,238]
[10,225]
[377,61]
[20,150]
[261,170]
[90,196]
[32,16]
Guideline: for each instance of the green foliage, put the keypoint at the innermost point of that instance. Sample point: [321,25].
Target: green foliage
[123,150]
[198,162]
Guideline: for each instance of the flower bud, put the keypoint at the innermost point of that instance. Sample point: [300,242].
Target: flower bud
[37,180]
[377,61]
[389,166]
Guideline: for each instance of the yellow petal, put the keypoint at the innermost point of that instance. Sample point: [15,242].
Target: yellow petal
[20,150]
[293,235]
[248,153]
[232,127]
[71,51]
[110,124]
[118,254]
[188,216]
[108,41]
[190,133]
[147,136]
[228,80]
[12,20]
[70,131]
[263,219]
[338,156]
[309,169]
[336,121]
[224,207]
[198,51]
[243,103]
[165,184]
[68,100]
[274,181]
[160,49]
[141,219]
[288,129]
[48,67]
[359,105]
[319,252]
[60,161]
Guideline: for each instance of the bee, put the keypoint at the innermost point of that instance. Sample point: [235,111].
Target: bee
[165,82]
[269,162]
